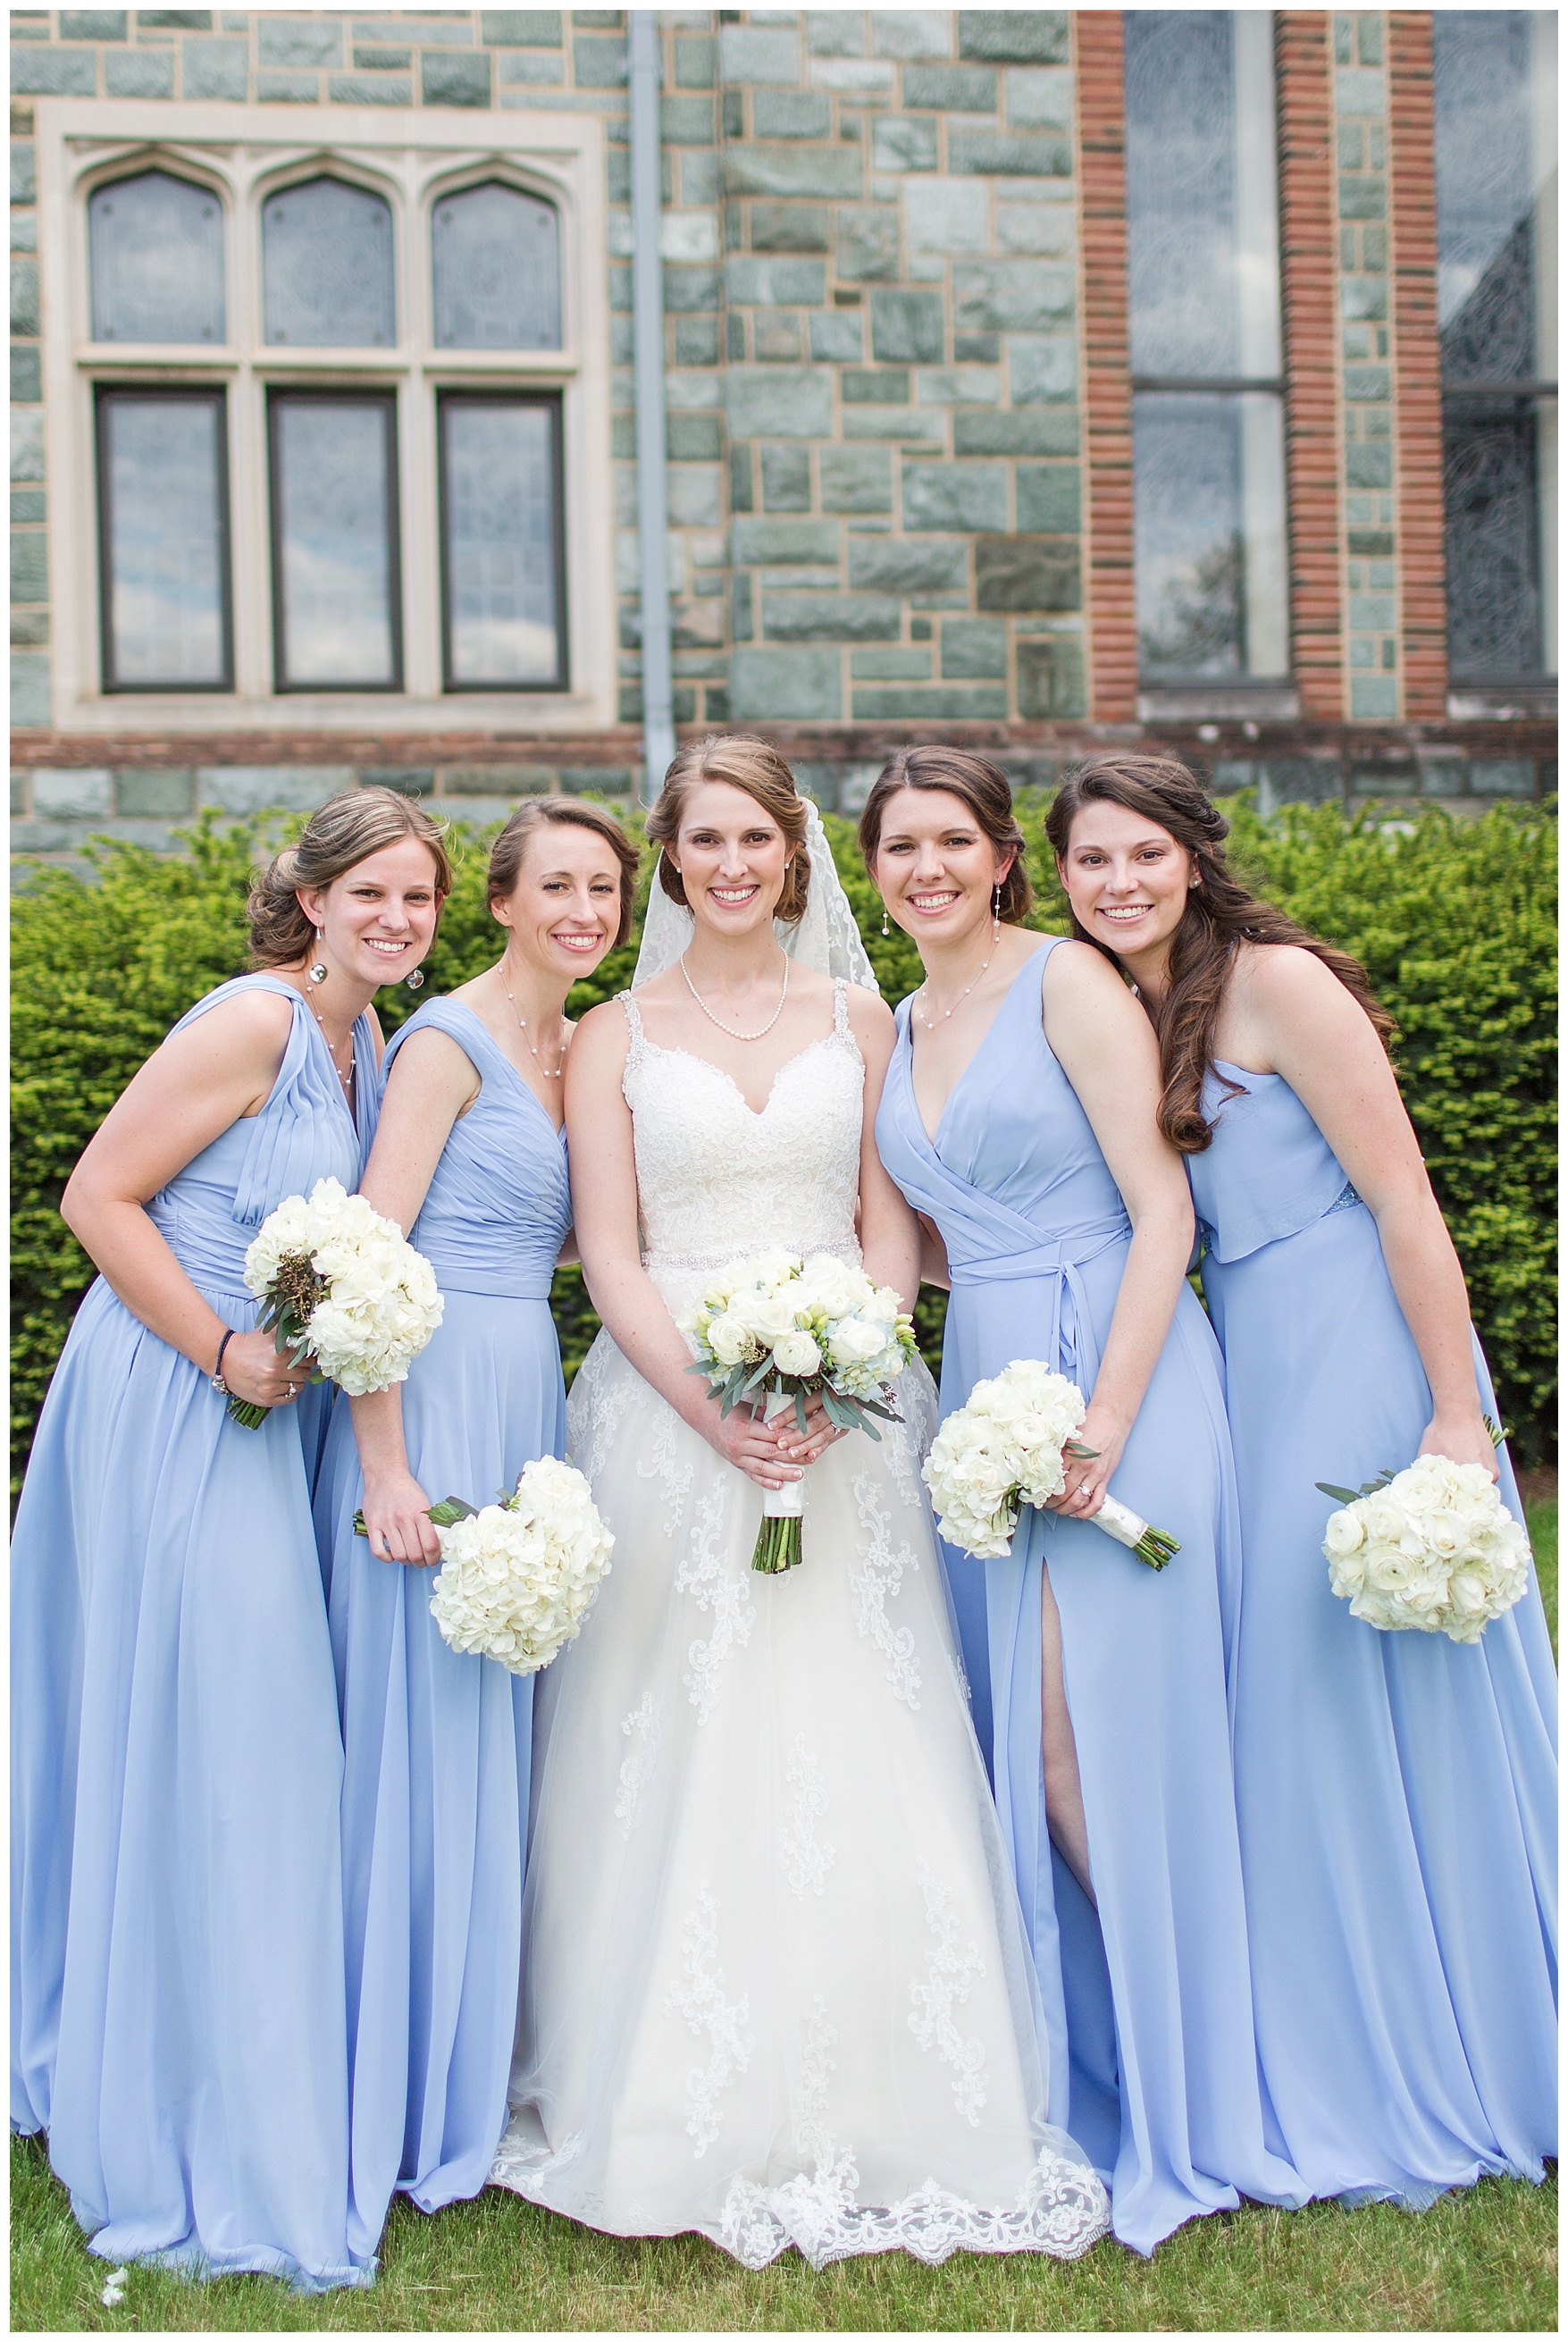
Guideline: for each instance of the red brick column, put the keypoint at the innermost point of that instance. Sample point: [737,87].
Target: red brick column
[1308,288]
[1112,634]
[1418,371]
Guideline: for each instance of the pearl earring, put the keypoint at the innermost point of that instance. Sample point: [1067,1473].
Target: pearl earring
[885,928]
[318,972]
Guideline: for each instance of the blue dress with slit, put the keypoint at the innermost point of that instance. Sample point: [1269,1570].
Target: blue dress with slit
[177,1999]
[436,1741]
[1147,1998]
[1397,1793]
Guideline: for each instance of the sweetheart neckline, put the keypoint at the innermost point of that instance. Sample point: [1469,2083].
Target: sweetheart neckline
[757,1114]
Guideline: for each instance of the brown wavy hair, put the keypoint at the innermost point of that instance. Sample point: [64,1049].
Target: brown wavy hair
[1222,912]
[508,853]
[338,835]
[984,788]
[745,762]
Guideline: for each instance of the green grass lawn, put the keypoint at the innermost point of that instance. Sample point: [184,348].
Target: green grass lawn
[1482,2261]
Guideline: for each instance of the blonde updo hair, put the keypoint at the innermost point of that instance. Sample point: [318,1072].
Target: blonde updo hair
[757,767]
[509,849]
[338,835]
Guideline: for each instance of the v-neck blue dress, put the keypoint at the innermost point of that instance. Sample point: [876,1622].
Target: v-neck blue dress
[436,1742]
[1397,1793]
[1148,2001]
[176,1983]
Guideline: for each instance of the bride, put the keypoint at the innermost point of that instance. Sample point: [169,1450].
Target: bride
[775,1986]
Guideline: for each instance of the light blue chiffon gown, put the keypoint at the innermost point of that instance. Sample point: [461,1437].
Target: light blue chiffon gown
[436,1742]
[1149,2007]
[1397,1793]
[176,1995]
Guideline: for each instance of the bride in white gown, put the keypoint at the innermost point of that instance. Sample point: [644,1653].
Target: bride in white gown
[775,1986]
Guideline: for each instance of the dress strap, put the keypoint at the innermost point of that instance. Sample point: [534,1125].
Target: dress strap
[635,1027]
[841,1008]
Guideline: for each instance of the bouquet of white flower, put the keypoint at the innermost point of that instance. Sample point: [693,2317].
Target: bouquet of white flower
[1433,1547]
[340,1285]
[773,1332]
[518,1578]
[1004,1449]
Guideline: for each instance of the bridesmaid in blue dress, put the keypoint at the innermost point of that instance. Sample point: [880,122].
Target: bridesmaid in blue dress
[470,1155]
[1396,1792]
[1018,1117]
[177,2001]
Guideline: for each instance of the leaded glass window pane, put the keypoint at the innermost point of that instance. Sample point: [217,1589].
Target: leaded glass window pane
[496,259]
[163,525]
[501,549]
[1204,310]
[327,266]
[156,246]
[1495,124]
[335,543]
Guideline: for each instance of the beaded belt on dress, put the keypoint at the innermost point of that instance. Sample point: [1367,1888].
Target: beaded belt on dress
[844,1249]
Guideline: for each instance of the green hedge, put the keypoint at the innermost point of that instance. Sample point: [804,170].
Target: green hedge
[1455,919]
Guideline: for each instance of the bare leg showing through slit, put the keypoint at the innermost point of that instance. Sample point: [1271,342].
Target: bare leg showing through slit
[1063,1792]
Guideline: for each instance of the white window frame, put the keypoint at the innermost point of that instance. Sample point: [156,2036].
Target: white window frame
[411,156]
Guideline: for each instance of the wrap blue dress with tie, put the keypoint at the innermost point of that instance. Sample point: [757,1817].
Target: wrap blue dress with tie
[177,2017]
[1147,1998]
[436,1741]
[1397,1793]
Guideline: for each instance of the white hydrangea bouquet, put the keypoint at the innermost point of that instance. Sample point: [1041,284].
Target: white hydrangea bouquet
[341,1286]
[518,1578]
[775,1331]
[1431,1547]
[1004,1449]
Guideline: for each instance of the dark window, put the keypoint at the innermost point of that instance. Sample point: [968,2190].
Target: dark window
[156,246]
[495,258]
[1208,439]
[164,553]
[336,614]
[502,550]
[1493,104]
[327,267]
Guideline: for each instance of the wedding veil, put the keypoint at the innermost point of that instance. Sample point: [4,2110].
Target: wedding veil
[826,938]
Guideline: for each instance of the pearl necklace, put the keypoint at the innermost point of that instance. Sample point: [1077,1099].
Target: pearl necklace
[345,1079]
[719,1021]
[928,1022]
[551,1073]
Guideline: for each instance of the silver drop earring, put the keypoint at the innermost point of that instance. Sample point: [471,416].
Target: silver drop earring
[318,972]
[416,982]
[885,929]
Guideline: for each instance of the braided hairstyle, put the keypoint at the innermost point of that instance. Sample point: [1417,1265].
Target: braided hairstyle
[1221,914]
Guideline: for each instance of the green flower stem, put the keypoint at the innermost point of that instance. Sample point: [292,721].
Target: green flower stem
[778,1546]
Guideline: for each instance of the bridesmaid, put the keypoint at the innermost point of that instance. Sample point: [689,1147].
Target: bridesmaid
[470,1155]
[1018,1117]
[176,2009]
[1397,1792]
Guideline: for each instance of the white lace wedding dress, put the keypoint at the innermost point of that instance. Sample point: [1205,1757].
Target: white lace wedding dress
[775,1986]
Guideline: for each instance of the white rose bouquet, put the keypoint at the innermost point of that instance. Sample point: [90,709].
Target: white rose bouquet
[518,1578]
[1004,1449]
[775,1331]
[1431,1547]
[339,1285]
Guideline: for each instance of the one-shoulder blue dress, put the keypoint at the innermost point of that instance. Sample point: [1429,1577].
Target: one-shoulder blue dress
[1149,2005]
[1397,1793]
[436,1741]
[176,2000]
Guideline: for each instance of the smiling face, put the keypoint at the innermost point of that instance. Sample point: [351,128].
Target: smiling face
[936,867]
[377,919]
[732,855]
[564,911]
[1126,878]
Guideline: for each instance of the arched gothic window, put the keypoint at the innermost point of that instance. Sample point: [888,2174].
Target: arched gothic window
[157,261]
[496,262]
[327,267]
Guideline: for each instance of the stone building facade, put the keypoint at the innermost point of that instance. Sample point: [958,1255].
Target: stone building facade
[929,390]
